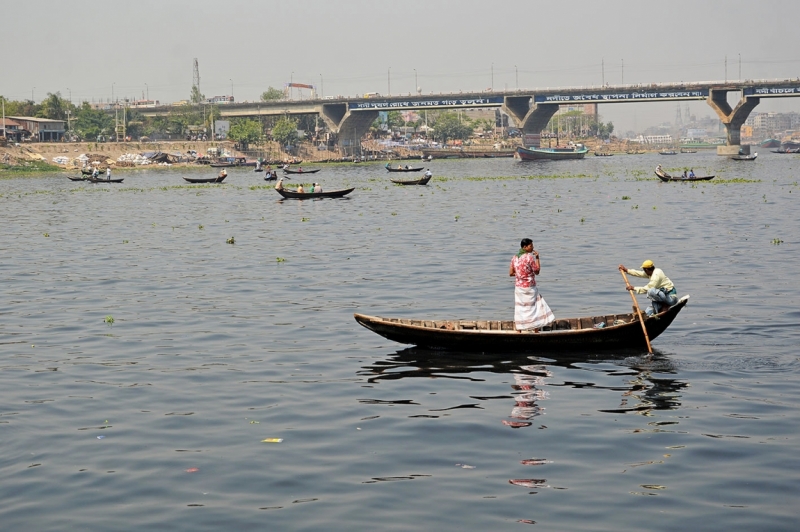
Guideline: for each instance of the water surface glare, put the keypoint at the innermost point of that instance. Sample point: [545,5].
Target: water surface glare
[144,360]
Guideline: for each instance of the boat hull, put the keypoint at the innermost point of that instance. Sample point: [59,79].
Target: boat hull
[550,154]
[421,181]
[311,195]
[287,171]
[405,169]
[206,179]
[479,336]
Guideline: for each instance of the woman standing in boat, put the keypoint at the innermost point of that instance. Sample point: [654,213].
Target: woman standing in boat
[531,312]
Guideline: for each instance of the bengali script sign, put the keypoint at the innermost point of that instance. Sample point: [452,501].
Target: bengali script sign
[423,104]
[621,96]
[772,91]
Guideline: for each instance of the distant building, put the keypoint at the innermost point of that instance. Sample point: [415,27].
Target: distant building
[13,130]
[41,129]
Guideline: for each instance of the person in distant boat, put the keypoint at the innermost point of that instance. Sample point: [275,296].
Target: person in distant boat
[407,167]
[659,290]
[279,184]
[387,166]
[108,173]
[658,169]
[300,189]
[531,312]
[399,166]
[223,173]
[274,174]
[428,173]
[691,172]
[95,173]
[685,174]
[430,158]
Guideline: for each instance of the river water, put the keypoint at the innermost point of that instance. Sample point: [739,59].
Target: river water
[144,360]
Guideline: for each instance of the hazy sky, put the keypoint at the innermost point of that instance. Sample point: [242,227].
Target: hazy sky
[89,48]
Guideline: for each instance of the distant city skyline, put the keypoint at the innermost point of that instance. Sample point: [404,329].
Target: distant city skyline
[147,48]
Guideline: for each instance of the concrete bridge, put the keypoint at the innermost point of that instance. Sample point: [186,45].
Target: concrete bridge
[531,110]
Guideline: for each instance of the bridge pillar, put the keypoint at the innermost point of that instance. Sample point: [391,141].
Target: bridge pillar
[732,119]
[531,119]
[349,126]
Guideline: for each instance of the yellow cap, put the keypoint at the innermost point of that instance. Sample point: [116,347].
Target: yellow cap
[648,264]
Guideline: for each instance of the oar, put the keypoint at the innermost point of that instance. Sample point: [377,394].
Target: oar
[639,312]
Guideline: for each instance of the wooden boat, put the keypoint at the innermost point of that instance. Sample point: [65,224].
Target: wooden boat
[687,150]
[603,154]
[668,152]
[409,169]
[218,179]
[270,176]
[663,176]
[258,170]
[420,181]
[81,178]
[553,154]
[611,331]
[103,180]
[293,194]
[745,157]
[290,171]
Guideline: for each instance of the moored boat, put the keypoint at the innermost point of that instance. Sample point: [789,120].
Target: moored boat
[554,154]
[664,176]
[293,194]
[668,152]
[745,157]
[77,178]
[611,331]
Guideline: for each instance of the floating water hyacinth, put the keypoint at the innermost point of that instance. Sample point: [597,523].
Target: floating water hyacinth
[109,320]
[231,240]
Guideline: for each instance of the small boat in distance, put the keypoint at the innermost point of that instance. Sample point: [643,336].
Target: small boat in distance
[101,180]
[664,176]
[300,171]
[421,181]
[612,331]
[668,152]
[406,169]
[603,154]
[218,179]
[76,178]
[576,151]
[745,157]
[292,194]
[687,150]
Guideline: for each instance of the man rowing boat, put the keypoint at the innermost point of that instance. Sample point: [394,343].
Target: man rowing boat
[659,290]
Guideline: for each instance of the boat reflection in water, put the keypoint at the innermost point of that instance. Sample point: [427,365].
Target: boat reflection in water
[641,391]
